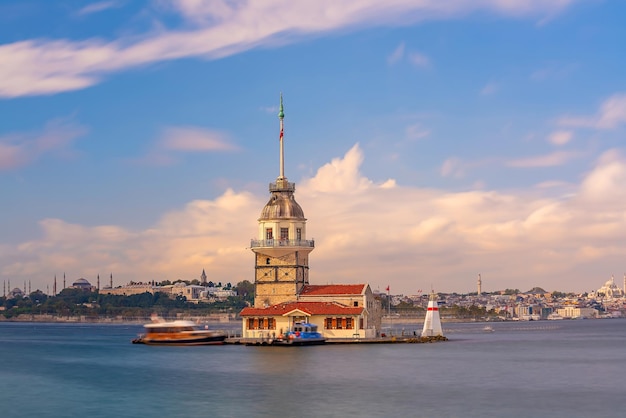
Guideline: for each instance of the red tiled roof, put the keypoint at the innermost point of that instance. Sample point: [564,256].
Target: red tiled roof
[311,308]
[332,289]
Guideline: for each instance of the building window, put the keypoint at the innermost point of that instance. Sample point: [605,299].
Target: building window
[339,323]
[349,323]
[269,233]
[284,233]
[298,234]
[329,323]
[361,323]
[250,323]
[267,261]
[356,303]
[271,323]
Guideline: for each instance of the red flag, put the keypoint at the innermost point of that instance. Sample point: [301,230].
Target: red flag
[281,134]
[387,288]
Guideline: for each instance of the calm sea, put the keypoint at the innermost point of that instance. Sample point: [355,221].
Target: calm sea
[532,369]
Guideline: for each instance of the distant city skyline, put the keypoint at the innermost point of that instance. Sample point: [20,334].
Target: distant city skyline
[429,142]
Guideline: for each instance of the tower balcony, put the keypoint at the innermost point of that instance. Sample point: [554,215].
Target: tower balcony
[282,186]
[281,243]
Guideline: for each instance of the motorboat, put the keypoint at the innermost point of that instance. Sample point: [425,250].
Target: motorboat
[301,333]
[179,332]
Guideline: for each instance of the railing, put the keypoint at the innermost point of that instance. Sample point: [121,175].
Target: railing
[282,243]
[283,186]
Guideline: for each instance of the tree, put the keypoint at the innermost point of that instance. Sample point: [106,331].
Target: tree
[245,289]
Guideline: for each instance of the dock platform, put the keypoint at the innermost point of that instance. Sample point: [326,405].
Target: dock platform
[333,341]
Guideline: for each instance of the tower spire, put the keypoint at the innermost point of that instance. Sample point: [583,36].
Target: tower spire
[281,116]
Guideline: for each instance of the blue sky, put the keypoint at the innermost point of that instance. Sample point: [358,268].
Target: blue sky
[429,141]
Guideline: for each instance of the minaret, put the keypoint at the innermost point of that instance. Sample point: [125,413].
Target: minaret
[98,282]
[64,280]
[281,250]
[54,286]
[480,282]
[203,277]
[111,283]
[432,322]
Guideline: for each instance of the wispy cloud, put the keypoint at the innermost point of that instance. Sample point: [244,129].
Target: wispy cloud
[611,114]
[416,131]
[99,7]
[23,148]
[175,141]
[549,160]
[418,59]
[223,28]
[397,55]
[193,139]
[560,137]
[552,71]
[489,89]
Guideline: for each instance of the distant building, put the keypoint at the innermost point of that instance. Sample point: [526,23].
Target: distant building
[130,289]
[15,293]
[609,290]
[83,284]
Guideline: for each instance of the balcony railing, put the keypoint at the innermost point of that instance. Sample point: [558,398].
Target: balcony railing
[255,243]
[282,186]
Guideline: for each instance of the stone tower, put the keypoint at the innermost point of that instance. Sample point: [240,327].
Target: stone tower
[480,286]
[281,251]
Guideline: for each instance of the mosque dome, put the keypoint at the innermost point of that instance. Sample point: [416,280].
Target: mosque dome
[81,283]
[610,289]
[281,206]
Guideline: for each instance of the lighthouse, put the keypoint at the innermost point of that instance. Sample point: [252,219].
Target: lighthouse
[432,322]
[281,248]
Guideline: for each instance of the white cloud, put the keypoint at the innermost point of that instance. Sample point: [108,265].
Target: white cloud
[20,149]
[560,137]
[381,233]
[611,115]
[223,28]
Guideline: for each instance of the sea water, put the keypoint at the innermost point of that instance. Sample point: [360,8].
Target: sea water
[521,369]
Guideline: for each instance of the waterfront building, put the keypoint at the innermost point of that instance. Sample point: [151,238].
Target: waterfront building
[576,312]
[283,294]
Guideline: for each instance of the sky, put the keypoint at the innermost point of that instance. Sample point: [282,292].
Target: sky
[429,141]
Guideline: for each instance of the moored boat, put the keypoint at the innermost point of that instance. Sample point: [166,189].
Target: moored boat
[179,332]
[301,333]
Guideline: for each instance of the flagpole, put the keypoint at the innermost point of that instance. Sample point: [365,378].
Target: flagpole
[389,311]
[281,116]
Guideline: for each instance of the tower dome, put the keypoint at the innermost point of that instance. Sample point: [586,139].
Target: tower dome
[282,206]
